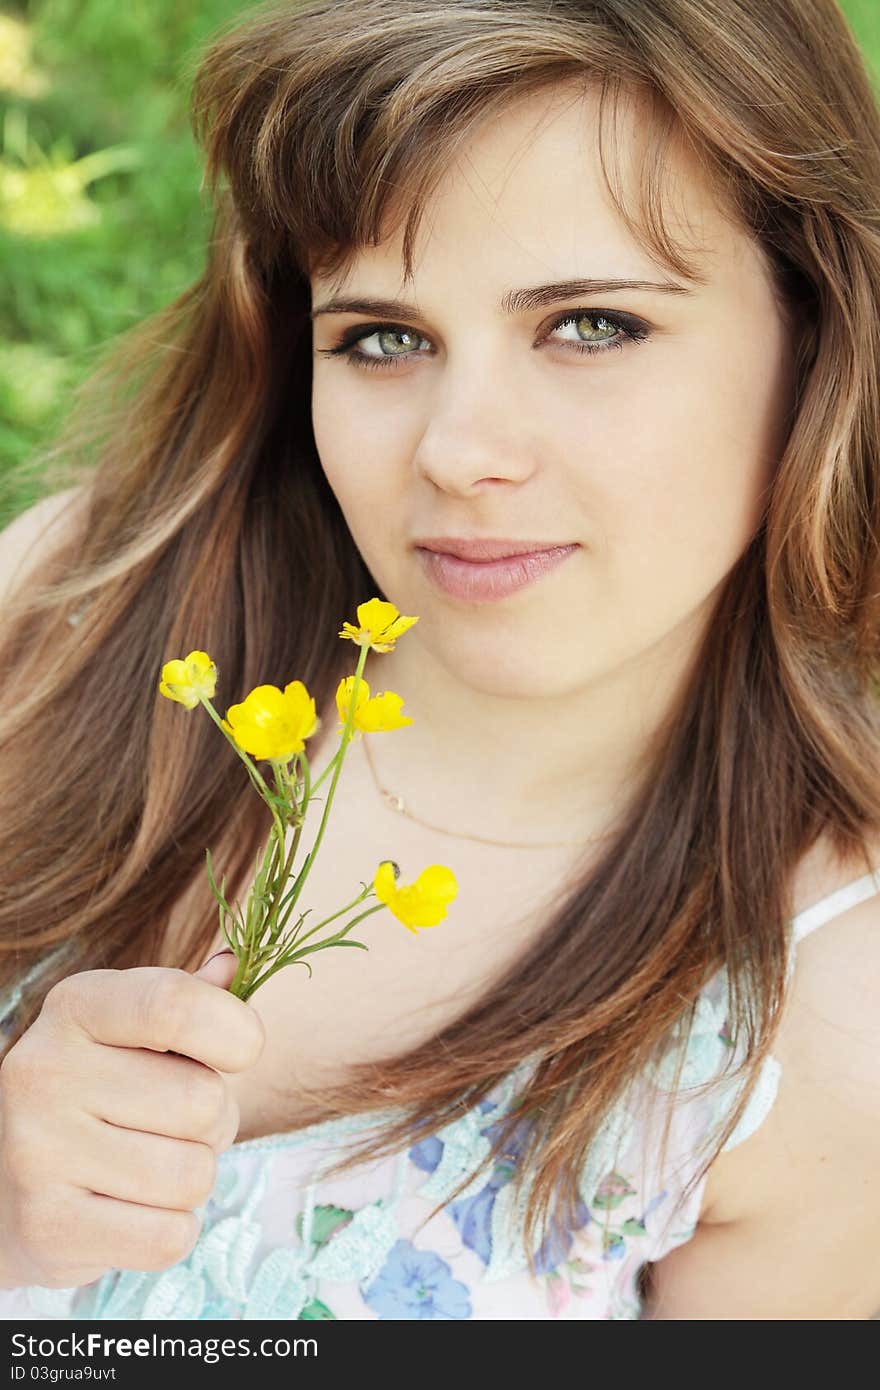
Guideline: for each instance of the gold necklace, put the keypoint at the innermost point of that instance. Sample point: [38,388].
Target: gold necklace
[396,803]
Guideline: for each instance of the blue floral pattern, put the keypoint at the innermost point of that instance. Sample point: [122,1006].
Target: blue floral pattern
[270,1249]
[473,1215]
[280,1240]
[416,1284]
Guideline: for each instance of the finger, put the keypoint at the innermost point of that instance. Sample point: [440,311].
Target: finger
[126,1235]
[160,1093]
[159,1008]
[219,969]
[148,1169]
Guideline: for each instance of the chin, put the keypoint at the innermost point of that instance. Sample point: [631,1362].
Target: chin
[509,671]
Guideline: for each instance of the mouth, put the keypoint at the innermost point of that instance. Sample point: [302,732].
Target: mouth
[488,580]
[485,547]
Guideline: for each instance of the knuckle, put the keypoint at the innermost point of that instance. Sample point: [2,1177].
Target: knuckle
[196,1175]
[205,1176]
[254,1039]
[171,1239]
[205,1098]
[164,1006]
[63,1001]
[59,998]
[228,1131]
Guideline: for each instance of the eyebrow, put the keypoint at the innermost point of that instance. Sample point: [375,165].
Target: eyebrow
[513,302]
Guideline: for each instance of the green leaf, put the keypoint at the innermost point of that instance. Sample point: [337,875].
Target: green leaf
[316,1311]
[325,1220]
[611,1192]
[633,1227]
[607,1201]
[322,945]
[219,894]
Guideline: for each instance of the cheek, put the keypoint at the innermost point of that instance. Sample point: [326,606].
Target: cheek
[359,448]
[331,427]
[681,495]
[363,470]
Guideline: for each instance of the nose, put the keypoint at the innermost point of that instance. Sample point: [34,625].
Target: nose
[476,431]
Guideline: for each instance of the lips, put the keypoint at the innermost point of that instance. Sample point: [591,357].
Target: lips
[485,548]
[486,581]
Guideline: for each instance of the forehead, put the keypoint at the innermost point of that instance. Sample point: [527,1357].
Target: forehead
[524,197]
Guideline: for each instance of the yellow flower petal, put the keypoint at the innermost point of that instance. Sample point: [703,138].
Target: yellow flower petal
[343,695]
[271,723]
[419,904]
[381,714]
[377,715]
[386,880]
[343,702]
[379,625]
[187,680]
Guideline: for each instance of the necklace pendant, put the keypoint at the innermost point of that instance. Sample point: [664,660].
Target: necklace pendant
[396,802]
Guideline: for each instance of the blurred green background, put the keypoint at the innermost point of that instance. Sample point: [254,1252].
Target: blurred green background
[101,216]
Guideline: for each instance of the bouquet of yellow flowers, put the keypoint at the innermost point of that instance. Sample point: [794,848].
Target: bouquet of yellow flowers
[272,725]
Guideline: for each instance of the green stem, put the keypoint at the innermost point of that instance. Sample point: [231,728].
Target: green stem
[324,774]
[254,928]
[331,940]
[251,767]
[336,763]
[279,884]
[286,904]
[307,780]
[241,973]
[346,739]
[291,958]
[359,899]
[285,781]
[243,985]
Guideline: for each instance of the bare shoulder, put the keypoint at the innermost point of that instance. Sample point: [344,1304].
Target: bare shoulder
[827,1044]
[791,1216]
[25,541]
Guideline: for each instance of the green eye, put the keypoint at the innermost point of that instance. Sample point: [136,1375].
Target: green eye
[627,329]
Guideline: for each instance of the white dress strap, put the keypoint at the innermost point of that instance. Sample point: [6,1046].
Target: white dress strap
[835,904]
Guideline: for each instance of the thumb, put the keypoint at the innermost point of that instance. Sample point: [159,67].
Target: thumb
[219,969]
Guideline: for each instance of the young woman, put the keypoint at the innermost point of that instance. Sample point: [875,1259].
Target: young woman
[600,282]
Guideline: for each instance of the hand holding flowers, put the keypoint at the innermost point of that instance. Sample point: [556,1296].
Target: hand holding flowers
[272,725]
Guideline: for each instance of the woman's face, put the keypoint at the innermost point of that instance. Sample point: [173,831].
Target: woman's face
[468,418]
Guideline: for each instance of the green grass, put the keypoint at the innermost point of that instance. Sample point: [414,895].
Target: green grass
[101,218]
[84,260]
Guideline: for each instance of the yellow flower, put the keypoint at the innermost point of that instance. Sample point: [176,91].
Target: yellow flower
[380,625]
[185,681]
[270,723]
[371,716]
[419,904]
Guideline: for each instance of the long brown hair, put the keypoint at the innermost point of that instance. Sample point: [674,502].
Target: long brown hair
[208,523]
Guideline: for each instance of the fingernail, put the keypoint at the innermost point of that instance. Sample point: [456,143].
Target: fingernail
[225,952]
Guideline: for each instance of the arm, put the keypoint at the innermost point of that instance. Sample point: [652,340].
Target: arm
[792,1215]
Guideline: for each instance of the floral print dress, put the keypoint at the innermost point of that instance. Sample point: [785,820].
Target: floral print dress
[281,1241]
